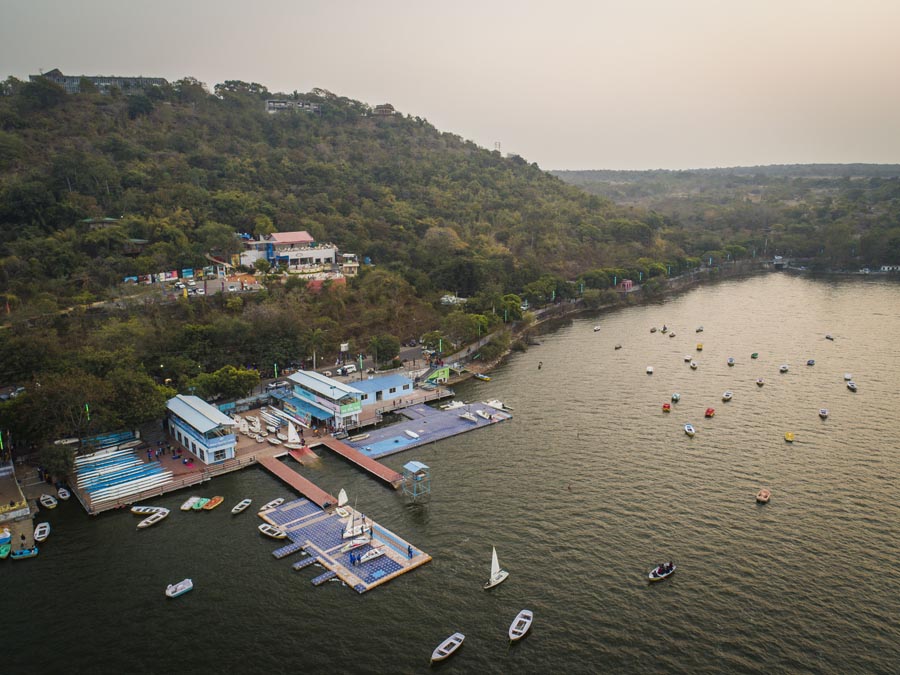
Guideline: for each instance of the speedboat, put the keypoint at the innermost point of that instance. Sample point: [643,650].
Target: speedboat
[760,382]
[727,396]
[649,370]
[481,376]
[48,501]
[730,361]
[851,385]
[829,337]
[661,572]
[63,494]
[241,505]
[189,504]
[42,531]
[676,397]
[182,587]
[272,531]
[811,362]
[520,625]
[153,519]
[618,347]
[699,329]
[667,407]
[596,328]
[689,429]
[693,365]
[449,646]
[783,368]
[272,504]
[699,346]
[789,437]
[687,358]
[710,412]
[848,376]
[823,413]
[672,334]
[213,503]
[763,496]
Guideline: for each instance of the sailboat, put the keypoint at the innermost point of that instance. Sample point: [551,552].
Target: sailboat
[353,530]
[342,502]
[293,438]
[498,575]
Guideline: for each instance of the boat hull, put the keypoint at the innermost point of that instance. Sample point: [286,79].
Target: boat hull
[521,625]
[448,647]
[496,580]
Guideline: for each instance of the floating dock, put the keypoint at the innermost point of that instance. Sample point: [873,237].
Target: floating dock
[319,533]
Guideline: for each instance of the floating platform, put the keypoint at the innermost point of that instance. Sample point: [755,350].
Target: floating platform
[285,551]
[305,487]
[424,424]
[319,533]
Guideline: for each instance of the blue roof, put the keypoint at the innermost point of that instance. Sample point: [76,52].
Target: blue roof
[198,413]
[383,383]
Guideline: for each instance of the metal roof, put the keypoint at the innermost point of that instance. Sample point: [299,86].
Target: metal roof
[415,467]
[322,385]
[198,413]
[383,383]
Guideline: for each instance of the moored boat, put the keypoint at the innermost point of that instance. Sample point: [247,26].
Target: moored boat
[727,396]
[42,531]
[672,334]
[710,412]
[272,504]
[689,429]
[618,347]
[848,376]
[783,368]
[63,493]
[653,330]
[23,553]
[760,382]
[469,417]
[449,646]
[153,518]
[699,346]
[272,531]
[851,385]
[754,355]
[829,337]
[342,502]
[693,365]
[189,504]
[676,397]
[355,543]
[4,551]
[241,505]
[498,575]
[699,329]
[200,503]
[811,362]
[371,554]
[687,358]
[482,377]
[145,510]
[663,571]
[520,625]
[730,361]
[667,407]
[763,496]
[48,501]
[789,437]
[596,328]
[649,370]
[213,503]
[182,587]
[823,413]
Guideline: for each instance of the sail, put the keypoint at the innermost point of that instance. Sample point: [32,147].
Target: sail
[495,564]
[293,437]
[342,497]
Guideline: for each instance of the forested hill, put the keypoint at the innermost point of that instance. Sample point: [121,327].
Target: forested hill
[186,169]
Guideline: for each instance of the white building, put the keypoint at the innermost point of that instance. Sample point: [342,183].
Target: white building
[295,251]
[321,401]
[201,428]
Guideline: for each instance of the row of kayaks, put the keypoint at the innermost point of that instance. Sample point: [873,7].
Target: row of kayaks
[517,630]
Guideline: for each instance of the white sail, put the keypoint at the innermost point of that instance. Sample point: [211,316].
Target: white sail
[342,497]
[495,565]
[293,437]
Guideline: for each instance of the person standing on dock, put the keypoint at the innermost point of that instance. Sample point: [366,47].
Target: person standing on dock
[409,551]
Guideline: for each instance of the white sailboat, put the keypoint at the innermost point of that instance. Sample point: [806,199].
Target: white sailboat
[352,530]
[342,502]
[498,575]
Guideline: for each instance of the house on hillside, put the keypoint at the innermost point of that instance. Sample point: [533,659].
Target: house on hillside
[295,251]
[283,105]
[104,83]
[384,110]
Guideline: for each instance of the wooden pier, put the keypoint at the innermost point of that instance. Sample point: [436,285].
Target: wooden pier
[306,488]
[374,467]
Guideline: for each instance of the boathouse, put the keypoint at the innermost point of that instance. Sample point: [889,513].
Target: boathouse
[320,400]
[376,391]
[201,428]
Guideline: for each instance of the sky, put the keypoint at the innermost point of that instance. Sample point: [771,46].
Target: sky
[569,84]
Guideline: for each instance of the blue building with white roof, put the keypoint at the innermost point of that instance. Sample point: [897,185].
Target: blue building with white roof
[201,428]
[319,400]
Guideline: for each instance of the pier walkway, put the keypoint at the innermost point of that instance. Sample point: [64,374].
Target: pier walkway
[306,488]
[377,469]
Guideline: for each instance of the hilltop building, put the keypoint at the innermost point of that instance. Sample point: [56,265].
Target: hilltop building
[295,251]
[281,105]
[104,83]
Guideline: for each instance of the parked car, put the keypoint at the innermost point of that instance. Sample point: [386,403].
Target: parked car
[278,385]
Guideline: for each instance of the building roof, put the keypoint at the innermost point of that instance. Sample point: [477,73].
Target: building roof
[382,383]
[322,385]
[415,467]
[198,413]
[301,237]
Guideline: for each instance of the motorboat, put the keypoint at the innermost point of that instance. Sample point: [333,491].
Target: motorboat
[763,496]
[653,330]
[48,501]
[760,382]
[754,355]
[449,646]
[596,328]
[689,430]
[42,531]
[272,531]
[371,554]
[520,625]
[469,417]
[145,510]
[23,553]
[272,504]
[851,385]
[498,575]
[672,334]
[482,377]
[153,518]
[213,503]
[481,413]
[663,571]
[848,376]
[730,361]
[676,397]
[664,330]
[200,503]
[667,407]
[189,504]
[811,362]
[789,437]
[687,358]
[63,494]
[783,368]
[497,404]
[649,370]
[699,346]
[823,413]
[727,396]
[241,505]
[710,412]
[693,365]
[182,587]
[699,329]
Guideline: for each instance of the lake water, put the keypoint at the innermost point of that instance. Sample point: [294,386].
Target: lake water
[586,489]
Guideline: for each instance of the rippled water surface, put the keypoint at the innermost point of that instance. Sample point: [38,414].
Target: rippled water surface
[582,492]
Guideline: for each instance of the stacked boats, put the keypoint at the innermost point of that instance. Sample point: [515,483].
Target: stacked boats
[117,472]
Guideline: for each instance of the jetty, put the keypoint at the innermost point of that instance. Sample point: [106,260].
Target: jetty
[374,467]
[305,487]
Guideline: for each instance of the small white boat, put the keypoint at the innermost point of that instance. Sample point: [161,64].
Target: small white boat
[273,441]
[823,413]
[468,417]
[63,494]
[699,329]
[272,531]
[448,647]
[727,396]
[661,572]
[497,404]
[48,501]
[42,531]
[371,554]
[520,625]
[189,504]
[693,365]
[482,414]
[689,429]
[182,587]
[851,385]
[353,531]
[272,504]
[829,337]
[145,510]
[687,358]
[783,368]
[359,437]
[411,434]
[596,328]
[676,397]
[760,382]
[649,370]
[498,576]
[730,361]
[848,376]
[241,505]
[152,519]
[355,543]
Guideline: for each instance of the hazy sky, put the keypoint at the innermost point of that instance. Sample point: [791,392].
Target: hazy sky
[569,84]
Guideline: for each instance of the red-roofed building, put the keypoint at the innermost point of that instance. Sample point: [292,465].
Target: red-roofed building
[295,251]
